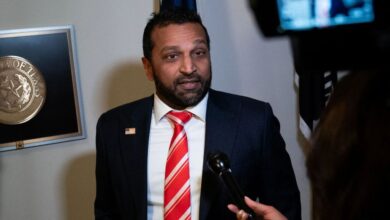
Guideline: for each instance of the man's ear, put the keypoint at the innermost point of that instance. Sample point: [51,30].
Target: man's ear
[148,68]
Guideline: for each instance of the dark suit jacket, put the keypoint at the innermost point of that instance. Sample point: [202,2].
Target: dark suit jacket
[243,128]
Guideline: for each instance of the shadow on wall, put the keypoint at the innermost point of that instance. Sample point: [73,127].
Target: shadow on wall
[80,187]
[125,83]
[303,143]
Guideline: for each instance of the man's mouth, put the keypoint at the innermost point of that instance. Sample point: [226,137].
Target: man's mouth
[189,84]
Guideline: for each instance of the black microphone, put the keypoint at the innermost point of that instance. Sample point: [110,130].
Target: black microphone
[219,164]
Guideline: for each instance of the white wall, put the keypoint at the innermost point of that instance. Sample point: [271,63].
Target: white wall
[57,181]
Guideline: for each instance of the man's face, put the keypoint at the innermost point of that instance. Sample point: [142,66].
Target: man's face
[180,65]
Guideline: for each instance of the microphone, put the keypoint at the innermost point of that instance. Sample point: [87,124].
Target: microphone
[219,164]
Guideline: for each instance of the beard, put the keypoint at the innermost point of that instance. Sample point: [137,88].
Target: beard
[182,98]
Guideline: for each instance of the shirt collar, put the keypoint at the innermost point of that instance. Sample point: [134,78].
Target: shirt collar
[161,109]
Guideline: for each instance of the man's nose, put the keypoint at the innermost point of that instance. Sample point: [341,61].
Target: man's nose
[187,65]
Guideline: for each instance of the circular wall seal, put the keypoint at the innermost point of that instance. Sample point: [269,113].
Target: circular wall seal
[22,90]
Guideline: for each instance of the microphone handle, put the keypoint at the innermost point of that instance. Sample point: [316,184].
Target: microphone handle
[236,193]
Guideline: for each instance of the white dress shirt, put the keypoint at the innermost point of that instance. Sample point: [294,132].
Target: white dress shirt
[161,131]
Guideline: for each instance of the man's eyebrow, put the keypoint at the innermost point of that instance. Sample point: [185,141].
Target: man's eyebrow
[167,48]
[200,41]
[196,42]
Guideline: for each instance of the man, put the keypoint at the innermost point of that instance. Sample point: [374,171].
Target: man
[133,140]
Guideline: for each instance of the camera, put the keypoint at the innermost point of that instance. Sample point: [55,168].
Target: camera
[329,34]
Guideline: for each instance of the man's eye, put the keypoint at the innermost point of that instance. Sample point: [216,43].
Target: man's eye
[171,56]
[200,53]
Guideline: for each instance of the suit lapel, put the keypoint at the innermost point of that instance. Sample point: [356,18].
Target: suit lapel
[221,128]
[134,149]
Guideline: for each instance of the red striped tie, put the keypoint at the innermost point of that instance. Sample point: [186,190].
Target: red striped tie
[177,198]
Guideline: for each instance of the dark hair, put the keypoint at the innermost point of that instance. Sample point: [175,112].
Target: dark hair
[165,18]
[348,165]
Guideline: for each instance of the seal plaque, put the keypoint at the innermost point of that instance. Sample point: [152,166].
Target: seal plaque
[22,90]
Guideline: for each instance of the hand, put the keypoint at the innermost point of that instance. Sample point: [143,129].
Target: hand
[261,210]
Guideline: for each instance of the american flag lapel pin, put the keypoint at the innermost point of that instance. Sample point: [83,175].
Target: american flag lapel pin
[129,131]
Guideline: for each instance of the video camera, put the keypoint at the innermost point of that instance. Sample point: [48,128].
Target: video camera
[329,34]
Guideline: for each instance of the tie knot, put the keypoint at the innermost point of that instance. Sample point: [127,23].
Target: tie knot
[179,117]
